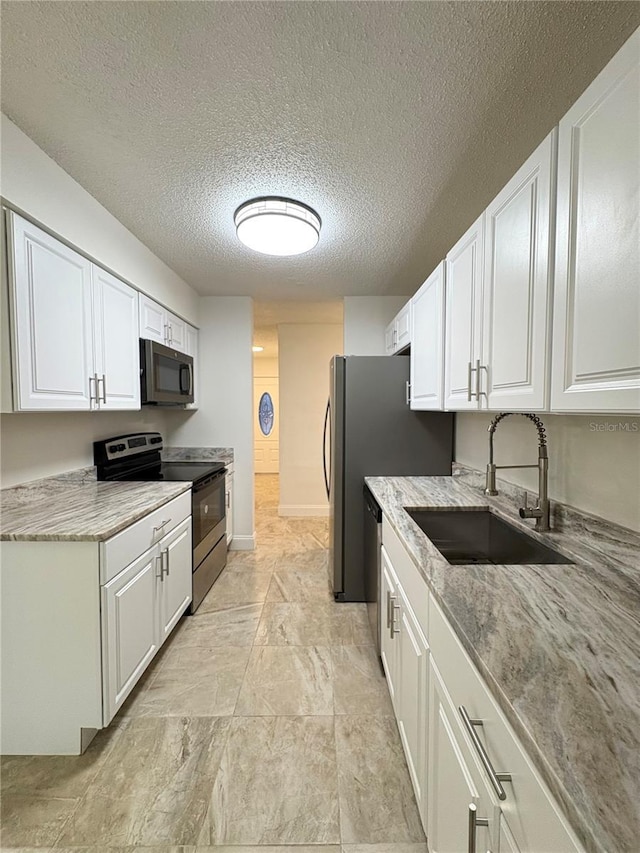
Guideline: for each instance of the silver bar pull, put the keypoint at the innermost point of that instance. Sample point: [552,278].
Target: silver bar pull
[104,389]
[157,559]
[164,556]
[391,606]
[474,822]
[91,398]
[167,339]
[394,629]
[228,499]
[494,778]
[477,395]
[408,393]
[390,599]
[469,377]
[161,525]
[96,385]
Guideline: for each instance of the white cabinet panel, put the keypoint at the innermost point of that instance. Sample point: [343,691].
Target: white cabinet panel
[117,355]
[390,608]
[403,327]
[453,782]
[413,721]
[52,322]
[152,320]
[176,556]
[596,341]
[427,343]
[463,348]
[516,333]
[130,629]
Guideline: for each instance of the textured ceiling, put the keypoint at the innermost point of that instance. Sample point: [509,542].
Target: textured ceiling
[397,121]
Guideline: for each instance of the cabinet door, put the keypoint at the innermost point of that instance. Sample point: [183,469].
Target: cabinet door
[191,348]
[117,354]
[52,323]
[176,332]
[129,629]
[507,841]
[516,333]
[463,285]
[403,328]
[176,559]
[390,338]
[413,721]
[454,782]
[427,343]
[596,344]
[389,630]
[229,510]
[153,320]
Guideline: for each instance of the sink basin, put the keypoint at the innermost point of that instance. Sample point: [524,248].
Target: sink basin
[478,536]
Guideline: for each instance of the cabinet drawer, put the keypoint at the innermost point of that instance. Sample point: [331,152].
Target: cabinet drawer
[535,821]
[412,582]
[130,543]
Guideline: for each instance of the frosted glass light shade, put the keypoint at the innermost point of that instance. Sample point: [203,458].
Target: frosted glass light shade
[277,226]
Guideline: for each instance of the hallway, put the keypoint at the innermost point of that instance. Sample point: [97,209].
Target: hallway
[264,722]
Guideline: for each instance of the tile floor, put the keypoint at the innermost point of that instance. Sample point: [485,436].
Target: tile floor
[263,726]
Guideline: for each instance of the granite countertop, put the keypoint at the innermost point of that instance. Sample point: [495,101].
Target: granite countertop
[63,509]
[198,454]
[559,646]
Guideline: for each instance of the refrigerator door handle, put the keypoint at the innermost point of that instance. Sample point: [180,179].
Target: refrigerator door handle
[327,413]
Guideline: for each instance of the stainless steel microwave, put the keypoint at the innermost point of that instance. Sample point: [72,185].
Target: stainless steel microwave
[166,375]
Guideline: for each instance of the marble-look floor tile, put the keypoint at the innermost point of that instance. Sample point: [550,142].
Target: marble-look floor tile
[287,680]
[277,784]
[191,681]
[385,848]
[235,589]
[34,821]
[155,786]
[315,559]
[313,624]
[233,627]
[60,776]
[128,849]
[269,848]
[295,585]
[250,561]
[376,798]
[359,682]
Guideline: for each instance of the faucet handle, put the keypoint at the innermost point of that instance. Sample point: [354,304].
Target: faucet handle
[525,500]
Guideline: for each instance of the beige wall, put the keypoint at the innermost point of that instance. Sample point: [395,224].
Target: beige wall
[594,461]
[365,321]
[265,367]
[225,400]
[304,354]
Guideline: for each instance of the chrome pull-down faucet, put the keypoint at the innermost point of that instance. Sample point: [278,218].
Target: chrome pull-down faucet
[541,512]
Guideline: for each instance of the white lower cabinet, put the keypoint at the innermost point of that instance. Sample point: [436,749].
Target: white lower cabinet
[461,815]
[140,607]
[130,629]
[229,502]
[433,685]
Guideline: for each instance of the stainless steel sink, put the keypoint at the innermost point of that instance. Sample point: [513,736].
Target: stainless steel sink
[478,536]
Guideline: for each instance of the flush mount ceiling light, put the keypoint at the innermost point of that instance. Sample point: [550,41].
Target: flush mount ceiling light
[258,349]
[277,226]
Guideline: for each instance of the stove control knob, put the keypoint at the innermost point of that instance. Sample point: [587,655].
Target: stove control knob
[113,448]
[121,447]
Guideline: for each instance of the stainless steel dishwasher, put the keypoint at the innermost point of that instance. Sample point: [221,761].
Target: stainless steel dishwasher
[372,545]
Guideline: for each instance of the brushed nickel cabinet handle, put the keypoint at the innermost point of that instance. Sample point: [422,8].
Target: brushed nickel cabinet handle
[164,556]
[494,778]
[390,599]
[161,525]
[104,389]
[158,558]
[408,393]
[394,629]
[469,394]
[474,822]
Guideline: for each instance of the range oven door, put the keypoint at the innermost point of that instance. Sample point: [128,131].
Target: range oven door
[209,521]
[166,374]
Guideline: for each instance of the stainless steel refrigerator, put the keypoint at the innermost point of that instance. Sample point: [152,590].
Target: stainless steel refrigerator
[370,430]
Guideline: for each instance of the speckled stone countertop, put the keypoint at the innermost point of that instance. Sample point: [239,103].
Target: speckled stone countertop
[78,508]
[559,646]
[198,454]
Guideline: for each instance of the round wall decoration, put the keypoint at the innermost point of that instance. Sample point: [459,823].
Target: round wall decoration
[265,413]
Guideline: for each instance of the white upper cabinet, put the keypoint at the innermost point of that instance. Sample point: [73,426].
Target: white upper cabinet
[52,321]
[160,325]
[398,333]
[117,358]
[516,287]
[427,343]
[596,336]
[463,329]
[74,328]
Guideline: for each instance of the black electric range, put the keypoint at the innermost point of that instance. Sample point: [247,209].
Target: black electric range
[137,457]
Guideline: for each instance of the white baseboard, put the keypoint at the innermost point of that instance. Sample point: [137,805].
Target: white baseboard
[303,510]
[243,543]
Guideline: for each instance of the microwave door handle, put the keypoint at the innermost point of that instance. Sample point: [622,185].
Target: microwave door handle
[190,366]
[183,368]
